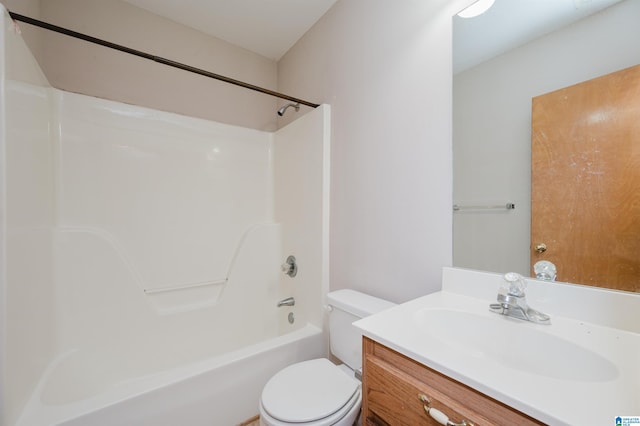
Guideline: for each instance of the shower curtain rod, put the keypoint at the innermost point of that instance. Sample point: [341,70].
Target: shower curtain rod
[159,59]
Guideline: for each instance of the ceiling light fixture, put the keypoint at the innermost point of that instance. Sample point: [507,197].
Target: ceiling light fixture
[477,8]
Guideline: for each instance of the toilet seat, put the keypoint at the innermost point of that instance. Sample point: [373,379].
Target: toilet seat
[314,393]
[346,416]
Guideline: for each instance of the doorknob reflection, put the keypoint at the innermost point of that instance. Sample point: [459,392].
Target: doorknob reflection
[541,247]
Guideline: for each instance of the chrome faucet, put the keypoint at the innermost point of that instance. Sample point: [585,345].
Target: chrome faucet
[512,301]
[289,301]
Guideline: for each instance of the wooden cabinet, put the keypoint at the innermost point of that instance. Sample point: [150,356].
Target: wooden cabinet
[397,388]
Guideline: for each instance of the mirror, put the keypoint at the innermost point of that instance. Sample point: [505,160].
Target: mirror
[518,50]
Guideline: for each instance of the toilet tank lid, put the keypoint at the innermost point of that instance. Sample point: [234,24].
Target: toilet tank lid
[356,303]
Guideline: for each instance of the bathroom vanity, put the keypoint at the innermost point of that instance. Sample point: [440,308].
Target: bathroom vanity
[447,353]
[398,390]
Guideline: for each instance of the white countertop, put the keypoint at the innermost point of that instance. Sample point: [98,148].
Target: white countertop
[581,372]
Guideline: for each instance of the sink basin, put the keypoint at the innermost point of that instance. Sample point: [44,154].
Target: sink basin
[514,344]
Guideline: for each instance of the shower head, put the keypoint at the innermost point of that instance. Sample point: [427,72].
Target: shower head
[284,108]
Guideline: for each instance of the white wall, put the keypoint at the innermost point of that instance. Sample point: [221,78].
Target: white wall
[385,68]
[492,128]
[26,221]
[301,201]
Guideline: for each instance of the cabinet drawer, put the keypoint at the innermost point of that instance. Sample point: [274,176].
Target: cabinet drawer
[392,384]
[393,397]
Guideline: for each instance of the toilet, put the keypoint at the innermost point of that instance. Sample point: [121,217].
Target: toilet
[319,392]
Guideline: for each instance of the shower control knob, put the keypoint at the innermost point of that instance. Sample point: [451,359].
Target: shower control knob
[541,247]
[290,267]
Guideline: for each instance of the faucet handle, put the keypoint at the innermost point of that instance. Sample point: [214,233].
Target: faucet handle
[515,284]
[545,270]
[290,267]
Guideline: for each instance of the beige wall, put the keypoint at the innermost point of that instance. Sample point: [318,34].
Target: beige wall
[81,67]
[28,8]
[385,68]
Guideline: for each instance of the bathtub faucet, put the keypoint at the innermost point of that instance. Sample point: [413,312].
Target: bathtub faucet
[289,301]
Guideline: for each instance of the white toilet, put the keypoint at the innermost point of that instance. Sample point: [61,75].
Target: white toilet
[318,392]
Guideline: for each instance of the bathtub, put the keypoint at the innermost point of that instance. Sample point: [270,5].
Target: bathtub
[145,324]
[220,391]
[194,356]
[146,330]
[143,253]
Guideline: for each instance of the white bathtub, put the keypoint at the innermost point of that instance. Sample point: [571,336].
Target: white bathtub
[142,252]
[221,391]
[165,315]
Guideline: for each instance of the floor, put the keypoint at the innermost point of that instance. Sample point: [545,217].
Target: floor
[253,421]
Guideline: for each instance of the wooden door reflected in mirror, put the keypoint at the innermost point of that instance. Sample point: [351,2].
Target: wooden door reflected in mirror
[585,180]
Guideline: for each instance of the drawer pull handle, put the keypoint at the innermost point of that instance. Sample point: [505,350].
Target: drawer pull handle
[438,415]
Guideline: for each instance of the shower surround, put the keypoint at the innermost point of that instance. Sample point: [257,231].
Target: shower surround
[141,252]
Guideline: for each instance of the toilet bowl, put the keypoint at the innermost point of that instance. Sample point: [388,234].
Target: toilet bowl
[311,393]
[318,392]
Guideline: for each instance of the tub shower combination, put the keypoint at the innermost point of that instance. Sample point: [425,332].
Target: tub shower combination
[141,256]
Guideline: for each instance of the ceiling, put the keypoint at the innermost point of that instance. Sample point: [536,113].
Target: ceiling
[512,23]
[271,27]
[267,27]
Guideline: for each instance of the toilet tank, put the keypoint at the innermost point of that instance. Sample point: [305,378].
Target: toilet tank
[348,306]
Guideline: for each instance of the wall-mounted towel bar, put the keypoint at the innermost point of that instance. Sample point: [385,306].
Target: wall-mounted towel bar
[507,206]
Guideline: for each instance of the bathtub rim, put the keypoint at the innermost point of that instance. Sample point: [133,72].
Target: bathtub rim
[35,413]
